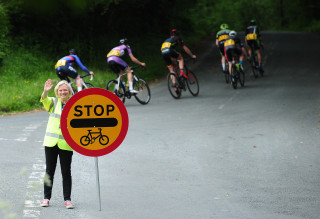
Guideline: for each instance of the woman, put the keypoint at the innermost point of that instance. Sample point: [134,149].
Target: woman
[54,143]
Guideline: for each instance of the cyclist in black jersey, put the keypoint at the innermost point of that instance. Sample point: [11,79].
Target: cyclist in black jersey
[253,40]
[169,52]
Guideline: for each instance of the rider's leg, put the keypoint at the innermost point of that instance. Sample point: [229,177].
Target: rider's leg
[181,66]
[79,83]
[230,67]
[223,63]
[130,78]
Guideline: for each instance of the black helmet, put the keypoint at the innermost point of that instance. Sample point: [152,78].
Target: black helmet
[174,32]
[124,41]
[252,22]
[73,52]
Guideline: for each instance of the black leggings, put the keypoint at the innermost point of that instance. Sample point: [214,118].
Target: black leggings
[65,158]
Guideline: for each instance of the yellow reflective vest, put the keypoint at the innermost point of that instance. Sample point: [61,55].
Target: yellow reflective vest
[53,134]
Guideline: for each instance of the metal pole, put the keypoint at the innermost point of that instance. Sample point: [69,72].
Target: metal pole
[98,183]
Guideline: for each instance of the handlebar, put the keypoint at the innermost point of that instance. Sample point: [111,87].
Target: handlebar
[137,66]
[91,78]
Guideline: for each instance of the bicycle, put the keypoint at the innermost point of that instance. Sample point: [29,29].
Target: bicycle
[254,63]
[85,85]
[237,74]
[176,84]
[121,89]
[86,139]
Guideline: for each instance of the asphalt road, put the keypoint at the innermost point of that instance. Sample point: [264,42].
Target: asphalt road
[246,153]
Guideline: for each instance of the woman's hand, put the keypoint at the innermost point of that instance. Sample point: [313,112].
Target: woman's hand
[47,87]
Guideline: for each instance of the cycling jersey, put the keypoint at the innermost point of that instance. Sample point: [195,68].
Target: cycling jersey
[64,67]
[69,61]
[168,48]
[221,36]
[232,45]
[114,59]
[252,32]
[171,43]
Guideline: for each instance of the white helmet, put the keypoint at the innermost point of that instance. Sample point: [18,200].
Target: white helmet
[233,33]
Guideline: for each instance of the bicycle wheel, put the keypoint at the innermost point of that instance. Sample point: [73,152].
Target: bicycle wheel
[173,85]
[142,87]
[192,83]
[111,86]
[261,72]
[234,79]
[254,67]
[104,139]
[227,76]
[88,86]
[241,77]
[84,140]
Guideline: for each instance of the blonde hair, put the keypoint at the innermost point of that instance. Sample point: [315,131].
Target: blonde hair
[61,83]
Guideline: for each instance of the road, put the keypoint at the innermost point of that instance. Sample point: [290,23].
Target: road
[246,153]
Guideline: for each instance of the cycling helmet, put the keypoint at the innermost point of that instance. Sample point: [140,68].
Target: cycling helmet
[124,41]
[252,22]
[233,33]
[224,26]
[73,52]
[174,32]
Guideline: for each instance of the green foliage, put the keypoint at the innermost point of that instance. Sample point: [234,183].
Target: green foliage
[4,30]
[34,34]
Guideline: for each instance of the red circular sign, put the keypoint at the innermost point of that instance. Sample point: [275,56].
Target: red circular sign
[94,122]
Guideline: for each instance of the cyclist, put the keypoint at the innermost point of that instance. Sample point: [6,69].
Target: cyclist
[253,40]
[168,52]
[117,64]
[221,36]
[64,67]
[233,45]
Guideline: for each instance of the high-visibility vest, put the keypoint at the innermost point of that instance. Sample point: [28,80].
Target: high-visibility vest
[53,134]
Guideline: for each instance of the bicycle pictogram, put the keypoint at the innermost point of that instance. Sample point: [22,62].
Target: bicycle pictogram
[86,139]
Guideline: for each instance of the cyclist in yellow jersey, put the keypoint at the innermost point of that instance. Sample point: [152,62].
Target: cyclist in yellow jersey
[253,40]
[168,52]
[221,36]
[233,45]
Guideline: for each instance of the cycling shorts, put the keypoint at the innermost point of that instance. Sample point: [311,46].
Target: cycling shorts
[254,44]
[221,48]
[66,71]
[168,54]
[233,52]
[116,67]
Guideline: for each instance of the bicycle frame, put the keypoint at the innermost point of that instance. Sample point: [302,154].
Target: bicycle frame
[94,138]
[122,90]
[84,85]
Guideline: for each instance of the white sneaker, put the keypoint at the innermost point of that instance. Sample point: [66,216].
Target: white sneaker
[133,91]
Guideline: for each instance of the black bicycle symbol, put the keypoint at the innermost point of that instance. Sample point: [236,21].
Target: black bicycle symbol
[86,139]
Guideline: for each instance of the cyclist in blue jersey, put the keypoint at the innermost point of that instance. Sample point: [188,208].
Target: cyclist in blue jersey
[221,36]
[169,52]
[64,67]
[117,64]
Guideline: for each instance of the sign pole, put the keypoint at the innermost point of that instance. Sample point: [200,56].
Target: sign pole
[98,182]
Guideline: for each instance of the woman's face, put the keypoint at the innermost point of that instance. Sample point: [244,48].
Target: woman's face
[63,92]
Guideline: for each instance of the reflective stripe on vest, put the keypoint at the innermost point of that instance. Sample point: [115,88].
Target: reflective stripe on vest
[53,135]
[55,115]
